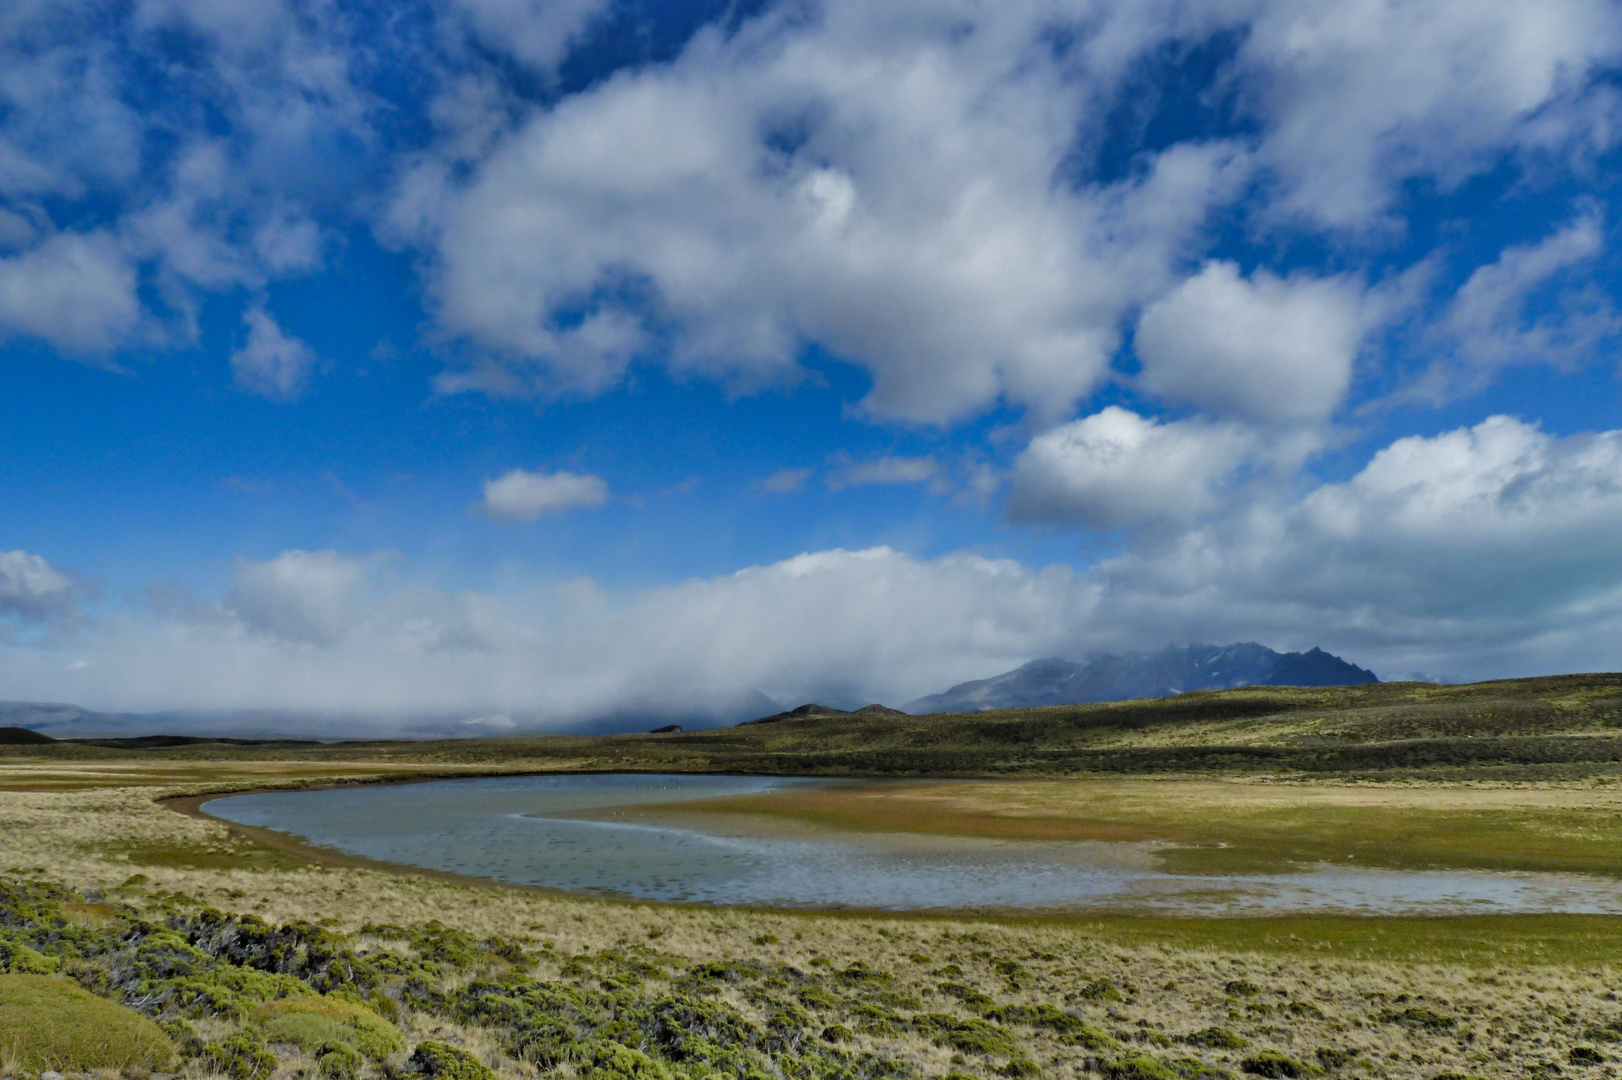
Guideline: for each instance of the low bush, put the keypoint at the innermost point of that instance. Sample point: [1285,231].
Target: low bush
[1070,1029]
[1217,1038]
[442,1061]
[311,1023]
[52,1023]
[1139,1067]
[243,1056]
[969,1036]
[1272,1064]
[1419,1018]
[1332,1058]
[19,959]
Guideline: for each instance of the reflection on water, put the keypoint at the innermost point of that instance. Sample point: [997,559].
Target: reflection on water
[498,828]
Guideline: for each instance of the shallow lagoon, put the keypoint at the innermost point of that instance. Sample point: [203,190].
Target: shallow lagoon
[519,829]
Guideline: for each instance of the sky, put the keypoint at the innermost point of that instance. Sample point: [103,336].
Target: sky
[544,364]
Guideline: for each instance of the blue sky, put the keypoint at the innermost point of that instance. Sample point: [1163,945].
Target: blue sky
[533,362]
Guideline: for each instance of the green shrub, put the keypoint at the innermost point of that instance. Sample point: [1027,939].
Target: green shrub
[185,1039]
[837,1033]
[313,1022]
[1272,1064]
[1585,1055]
[340,1061]
[611,1061]
[53,1023]
[1331,1058]
[19,959]
[243,1056]
[1139,1067]
[1011,970]
[970,1036]
[1417,1018]
[1241,988]
[1217,1038]
[1099,990]
[1019,1068]
[442,1061]
[971,997]
[1070,1029]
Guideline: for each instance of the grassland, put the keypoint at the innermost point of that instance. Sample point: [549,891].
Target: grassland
[255,958]
[1223,826]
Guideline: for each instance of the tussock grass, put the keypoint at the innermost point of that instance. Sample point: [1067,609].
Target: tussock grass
[48,1022]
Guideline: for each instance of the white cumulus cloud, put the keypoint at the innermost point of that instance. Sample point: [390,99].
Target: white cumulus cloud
[1358,96]
[75,291]
[520,496]
[877,180]
[271,363]
[1266,349]
[1116,468]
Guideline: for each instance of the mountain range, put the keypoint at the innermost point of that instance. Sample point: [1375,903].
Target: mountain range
[1120,676]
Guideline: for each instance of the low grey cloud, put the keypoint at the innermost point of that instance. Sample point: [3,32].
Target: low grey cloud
[1400,568]
[32,589]
[520,496]
[299,596]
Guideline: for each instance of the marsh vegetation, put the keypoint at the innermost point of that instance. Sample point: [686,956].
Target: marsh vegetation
[270,961]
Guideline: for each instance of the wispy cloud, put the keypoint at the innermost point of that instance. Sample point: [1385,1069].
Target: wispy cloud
[520,496]
[889,470]
[785,480]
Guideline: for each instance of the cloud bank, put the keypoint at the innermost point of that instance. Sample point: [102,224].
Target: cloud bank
[1399,568]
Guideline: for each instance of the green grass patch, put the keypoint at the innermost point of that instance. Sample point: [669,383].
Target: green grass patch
[1511,941]
[52,1023]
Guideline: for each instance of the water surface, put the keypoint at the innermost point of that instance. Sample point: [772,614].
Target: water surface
[508,829]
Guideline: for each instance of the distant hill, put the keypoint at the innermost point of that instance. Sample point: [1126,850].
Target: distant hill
[21,736]
[1125,676]
[813,710]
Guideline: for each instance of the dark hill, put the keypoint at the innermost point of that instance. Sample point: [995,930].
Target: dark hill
[811,710]
[1123,677]
[21,736]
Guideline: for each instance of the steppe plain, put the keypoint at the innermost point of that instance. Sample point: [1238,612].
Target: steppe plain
[245,954]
